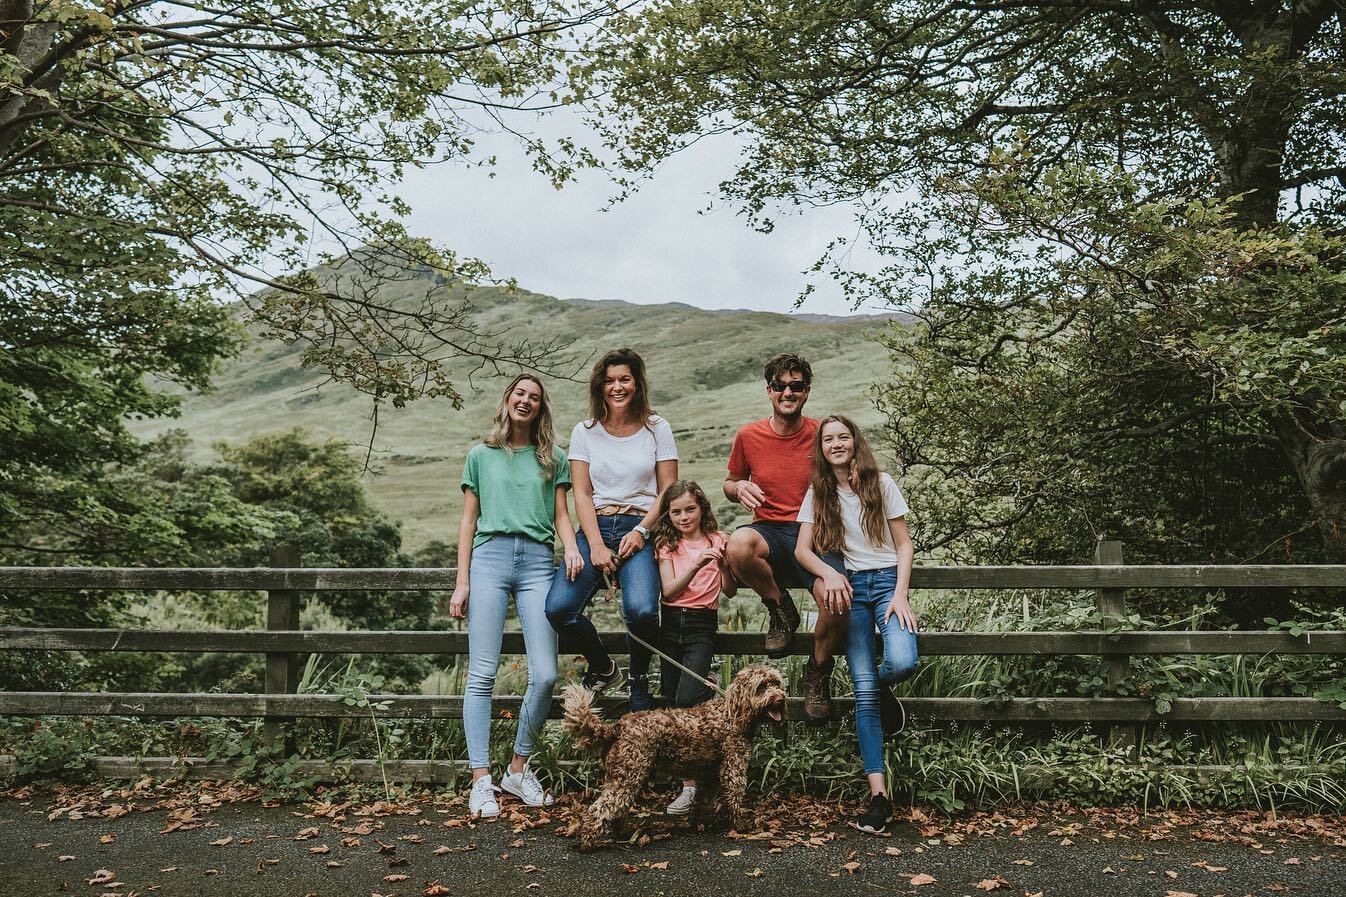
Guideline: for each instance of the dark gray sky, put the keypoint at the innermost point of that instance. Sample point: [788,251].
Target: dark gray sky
[672,242]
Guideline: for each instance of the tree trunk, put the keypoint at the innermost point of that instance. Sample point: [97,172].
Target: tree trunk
[1320,464]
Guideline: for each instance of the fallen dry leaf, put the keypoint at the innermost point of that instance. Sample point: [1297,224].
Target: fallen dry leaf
[396,876]
[660,865]
[1023,862]
[435,889]
[1170,873]
[1292,861]
[106,839]
[220,842]
[64,859]
[321,848]
[730,853]
[101,877]
[1180,894]
[629,869]
[893,851]
[991,884]
[851,868]
[305,833]
[43,845]
[922,879]
[756,873]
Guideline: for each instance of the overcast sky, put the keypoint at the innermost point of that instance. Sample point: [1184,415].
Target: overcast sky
[662,245]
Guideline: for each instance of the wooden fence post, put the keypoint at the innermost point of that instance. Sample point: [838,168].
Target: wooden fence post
[1111,604]
[282,612]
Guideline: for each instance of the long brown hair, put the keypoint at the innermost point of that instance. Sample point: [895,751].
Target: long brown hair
[828,533]
[640,402]
[540,431]
[666,535]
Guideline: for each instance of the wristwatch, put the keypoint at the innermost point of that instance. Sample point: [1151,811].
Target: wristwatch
[644,533]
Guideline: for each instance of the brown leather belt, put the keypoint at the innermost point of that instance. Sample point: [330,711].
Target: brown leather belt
[610,510]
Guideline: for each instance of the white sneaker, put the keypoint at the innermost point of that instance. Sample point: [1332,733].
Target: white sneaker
[525,786]
[682,804]
[481,801]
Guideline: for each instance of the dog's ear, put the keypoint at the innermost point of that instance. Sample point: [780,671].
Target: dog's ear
[738,700]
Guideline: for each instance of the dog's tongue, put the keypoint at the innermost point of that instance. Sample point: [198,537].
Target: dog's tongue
[774,714]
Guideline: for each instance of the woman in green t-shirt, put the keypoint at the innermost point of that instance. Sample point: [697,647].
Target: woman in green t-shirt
[514,506]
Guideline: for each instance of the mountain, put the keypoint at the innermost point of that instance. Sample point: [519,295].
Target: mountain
[704,367]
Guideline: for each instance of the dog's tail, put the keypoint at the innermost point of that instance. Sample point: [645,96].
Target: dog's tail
[582,720]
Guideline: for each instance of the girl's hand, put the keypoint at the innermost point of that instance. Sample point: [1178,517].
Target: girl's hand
[602,558]
[574,563]
[458,603]
[709,555]
[900,607]
[836,592]
[631,543]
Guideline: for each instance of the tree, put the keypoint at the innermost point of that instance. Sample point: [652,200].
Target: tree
[159,158]
[200,151]
[1118,222]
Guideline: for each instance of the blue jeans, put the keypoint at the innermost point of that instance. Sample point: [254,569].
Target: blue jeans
[871,592]
[638,577]
[503,566]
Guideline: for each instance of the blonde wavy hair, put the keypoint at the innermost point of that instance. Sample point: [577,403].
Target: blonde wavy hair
[541,434]
[828,533]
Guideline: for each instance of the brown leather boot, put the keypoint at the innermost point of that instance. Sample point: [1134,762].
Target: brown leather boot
[818,689]
[784,620]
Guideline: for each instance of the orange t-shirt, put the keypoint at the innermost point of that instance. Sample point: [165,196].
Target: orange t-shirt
[780,465]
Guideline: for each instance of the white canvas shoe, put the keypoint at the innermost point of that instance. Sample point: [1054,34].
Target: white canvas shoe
[481,800]
[525,786]
[682,804]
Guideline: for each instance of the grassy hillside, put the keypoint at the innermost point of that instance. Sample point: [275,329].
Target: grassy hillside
[705,378]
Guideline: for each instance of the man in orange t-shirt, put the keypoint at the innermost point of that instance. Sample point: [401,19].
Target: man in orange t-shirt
[769,469]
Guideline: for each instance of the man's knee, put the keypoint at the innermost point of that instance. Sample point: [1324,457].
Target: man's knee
[745,545]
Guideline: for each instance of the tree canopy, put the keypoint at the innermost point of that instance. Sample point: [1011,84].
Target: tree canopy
[1118,223]
[159,158]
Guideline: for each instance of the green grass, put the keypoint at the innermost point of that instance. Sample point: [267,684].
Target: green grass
[705,378]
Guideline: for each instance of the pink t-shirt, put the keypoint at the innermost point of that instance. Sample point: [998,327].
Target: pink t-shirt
[704,589]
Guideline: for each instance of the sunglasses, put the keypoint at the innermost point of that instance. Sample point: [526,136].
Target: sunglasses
[795,386]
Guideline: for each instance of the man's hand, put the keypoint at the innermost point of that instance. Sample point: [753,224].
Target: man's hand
[750,495]
[630,544]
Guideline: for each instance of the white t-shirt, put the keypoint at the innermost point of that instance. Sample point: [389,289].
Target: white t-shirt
[621,468]
[859,552]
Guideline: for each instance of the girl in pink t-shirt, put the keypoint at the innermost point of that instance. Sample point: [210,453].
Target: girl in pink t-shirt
[692,573]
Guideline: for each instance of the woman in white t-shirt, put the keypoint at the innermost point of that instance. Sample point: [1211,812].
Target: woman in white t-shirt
[853,508]
[621,459]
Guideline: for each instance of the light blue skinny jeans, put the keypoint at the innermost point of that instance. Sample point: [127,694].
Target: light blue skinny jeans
[871,591]
[504,566]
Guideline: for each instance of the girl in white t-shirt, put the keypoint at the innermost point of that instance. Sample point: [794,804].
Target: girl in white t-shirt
[693,572]
[853,508]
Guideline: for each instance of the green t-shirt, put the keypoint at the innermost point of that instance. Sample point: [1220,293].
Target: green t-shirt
[515,499]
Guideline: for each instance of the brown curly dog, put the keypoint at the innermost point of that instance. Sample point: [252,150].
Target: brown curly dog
[711,742]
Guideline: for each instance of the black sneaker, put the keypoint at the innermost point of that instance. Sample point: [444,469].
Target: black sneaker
[875,817]
[641,699]
[600,682]
[892,715]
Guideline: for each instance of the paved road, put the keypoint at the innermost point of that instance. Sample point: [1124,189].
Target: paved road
[239,848]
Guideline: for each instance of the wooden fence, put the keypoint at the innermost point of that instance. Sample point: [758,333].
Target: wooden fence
[283,642]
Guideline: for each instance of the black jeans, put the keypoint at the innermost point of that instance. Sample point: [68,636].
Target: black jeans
[687,634]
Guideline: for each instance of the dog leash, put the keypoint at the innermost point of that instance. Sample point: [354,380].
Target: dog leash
[697,676]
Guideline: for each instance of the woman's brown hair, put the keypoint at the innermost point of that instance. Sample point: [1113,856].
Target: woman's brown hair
[666,535]
[640,402]
[828,533]
[540,431]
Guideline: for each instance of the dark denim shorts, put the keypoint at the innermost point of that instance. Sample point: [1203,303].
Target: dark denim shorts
[780,538]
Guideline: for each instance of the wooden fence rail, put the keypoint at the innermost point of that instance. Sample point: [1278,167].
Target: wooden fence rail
[282,642]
